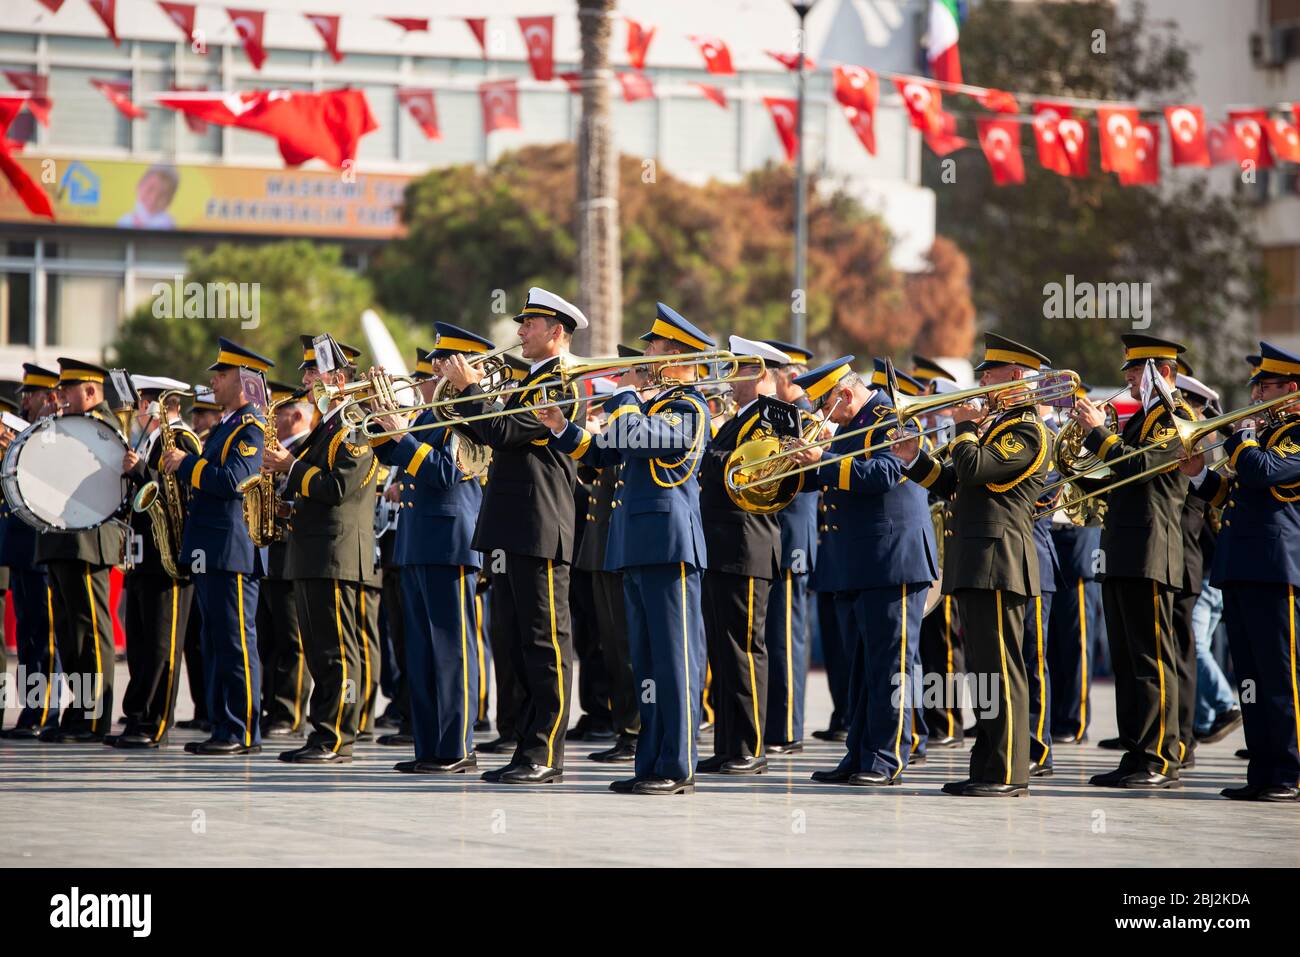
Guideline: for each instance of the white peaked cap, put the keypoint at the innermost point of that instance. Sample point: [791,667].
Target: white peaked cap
[741,346]
[540,299]
[603,385]
[1187,383]
[158,383]
[204,393]
[944,386]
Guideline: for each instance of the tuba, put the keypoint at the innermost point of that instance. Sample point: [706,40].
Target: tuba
[261,498]
[161,498]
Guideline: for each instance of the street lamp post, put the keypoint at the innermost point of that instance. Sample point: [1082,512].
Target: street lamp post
[799,334]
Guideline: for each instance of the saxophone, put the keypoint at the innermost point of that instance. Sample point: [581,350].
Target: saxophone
[261,498]
[161,499]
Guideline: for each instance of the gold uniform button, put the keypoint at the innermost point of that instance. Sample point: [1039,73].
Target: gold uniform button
[835,528]
[1226,522]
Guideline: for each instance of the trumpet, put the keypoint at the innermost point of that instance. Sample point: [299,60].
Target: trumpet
[377,384]
[1043,387]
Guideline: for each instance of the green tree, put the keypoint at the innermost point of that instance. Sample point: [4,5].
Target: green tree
[1193,246]
[302,288]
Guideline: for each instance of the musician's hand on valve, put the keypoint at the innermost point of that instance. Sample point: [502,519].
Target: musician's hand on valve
[277,460]
[1191,465]
[1087,413]
[389,422]
[907,449]
[129,460]
[459,372]
[808,456]
[171,460]
[968,412]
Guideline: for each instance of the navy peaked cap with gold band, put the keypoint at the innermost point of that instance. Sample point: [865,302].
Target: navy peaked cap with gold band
[453,340]
[74,370]
[818,382]
[627,352]
[550,306]
[37,377]
[672,325]
[350,354]
[798,354]
[1273,362]
[1139,348]
[519,368]
[926,370]
[1185,368]
[1001,351]
[231,355]
[423,364]
[906,384]
[282,390]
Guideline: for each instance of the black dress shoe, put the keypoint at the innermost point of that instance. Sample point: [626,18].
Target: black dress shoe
[623,785]
[784,747]
[111,740]
[399,740]
[1247,792]
[138,742]
[748,765]
[1243,753]
[623,751]
[214,747]
[457,766]
[1221,727]
[493,776]
[21,734]
[1111,744]
[984,789]
[389,719]
[833,776]
[664,786]
[59,736]
[1068,737]
[711,765]
[314,754]
[365,735]
[1280,794]
[192,724]
[482,724]
[531,774]
[1037,770]
[1148,781]
[946,741]
[500,746]
[871,779]
[277,729]
[956,787]
[831,734]
[1108,779]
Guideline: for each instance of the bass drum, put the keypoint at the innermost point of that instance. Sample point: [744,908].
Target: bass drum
[64,474]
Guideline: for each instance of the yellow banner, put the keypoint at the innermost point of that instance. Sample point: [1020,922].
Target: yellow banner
[217,199]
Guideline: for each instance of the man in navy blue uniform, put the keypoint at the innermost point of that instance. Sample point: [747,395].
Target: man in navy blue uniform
[38,654]
[1038,620]
[656,540]
[1257,564]
[439,570]
[880,558]
[223,561]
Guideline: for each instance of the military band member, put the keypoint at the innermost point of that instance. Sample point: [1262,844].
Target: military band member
[1142,544]
[157,605]
[439,569]
[991,562]
[330,556]
[38,656]
[286,679]
[593,692]
[1257,564]
[1038,620]
[787,604]
[526,525]
[656,540]
[880,556]
[78,564]
[223,562]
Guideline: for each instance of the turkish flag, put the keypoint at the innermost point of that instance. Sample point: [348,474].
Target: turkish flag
[791,60]
[119,94]
[249,24]
[327,25]
[924,105]
[999,101]
[858,87]
[500,99]
[717,58]
[715,93]
[1283,139]
[196,125]
[573,81]
[539,37]
[944,143]
[420,104]
[638,42]
[785,116]
[864,126]
[1000,141]
[51,5]
[38,104]
[636,86]
[410,24]
[1061,139]
[478,27]
[1117,127]
[1187,143]
[1219,144]
[106,10]
[29,191]
[1249,138]
[181,14]
[1147,154]
[306,125]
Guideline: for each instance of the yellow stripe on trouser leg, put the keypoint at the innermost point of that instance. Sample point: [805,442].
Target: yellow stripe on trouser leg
[902,687]
[686,665]
[1042,677]
[343,661]
[1295,689]
[482,661]
[297,691]
[753,680]
[789,658]
[99,661]
[1083,676]
[559,666]
[947,641]
[1006,686]
[171,665]
[464,665]
[1160,671]
[248,677]
[365,659]
[49,670]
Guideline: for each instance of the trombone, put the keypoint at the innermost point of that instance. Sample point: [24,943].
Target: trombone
[1188,432]
[377,384]
[1043,387]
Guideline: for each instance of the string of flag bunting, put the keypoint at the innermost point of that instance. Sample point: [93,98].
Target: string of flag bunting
[327,125]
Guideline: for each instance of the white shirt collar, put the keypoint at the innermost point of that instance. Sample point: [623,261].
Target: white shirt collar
[741,411]
[537,365]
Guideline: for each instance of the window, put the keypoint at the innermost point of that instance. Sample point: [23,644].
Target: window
[1282,12]
[16,308]
[82,116]
[1282,317]
[81,311]
[102,250]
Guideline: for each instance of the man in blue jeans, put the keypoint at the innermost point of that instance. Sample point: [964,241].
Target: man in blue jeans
[1216,710]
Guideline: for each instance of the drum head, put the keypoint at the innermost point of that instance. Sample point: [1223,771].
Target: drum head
[68,473]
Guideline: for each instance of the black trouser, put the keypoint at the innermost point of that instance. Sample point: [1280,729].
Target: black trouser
[735,619]
[84,627]
[330,620]
[392,673]
[194,663]
[157,614]
[37,653]
[993,625]
[611,622]
[1143,650]
[593,682]
[503,639]
[1185,666]
[371,597]
[836,658]
[286,683]
[531,612]
[942,654]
